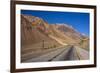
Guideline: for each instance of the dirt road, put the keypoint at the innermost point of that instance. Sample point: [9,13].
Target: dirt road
[64,53]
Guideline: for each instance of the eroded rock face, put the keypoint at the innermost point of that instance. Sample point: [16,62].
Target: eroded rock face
[35,30]
[32,34]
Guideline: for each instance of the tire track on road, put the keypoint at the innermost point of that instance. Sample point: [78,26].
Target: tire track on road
[49,56]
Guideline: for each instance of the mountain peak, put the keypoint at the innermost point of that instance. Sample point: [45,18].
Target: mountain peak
[65,25]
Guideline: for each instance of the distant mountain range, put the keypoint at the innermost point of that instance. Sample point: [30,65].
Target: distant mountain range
[35,30]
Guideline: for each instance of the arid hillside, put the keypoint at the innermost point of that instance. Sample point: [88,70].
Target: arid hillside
[37,35]
[33,32]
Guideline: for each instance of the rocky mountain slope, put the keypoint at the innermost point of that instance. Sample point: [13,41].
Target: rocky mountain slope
[38,37]
[35,30]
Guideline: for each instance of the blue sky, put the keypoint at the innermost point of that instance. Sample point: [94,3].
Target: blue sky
[79,21]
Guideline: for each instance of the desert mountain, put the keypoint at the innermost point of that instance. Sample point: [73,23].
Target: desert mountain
[35,30]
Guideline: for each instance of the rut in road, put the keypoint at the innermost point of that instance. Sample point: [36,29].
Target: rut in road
[68,54]
[72,54]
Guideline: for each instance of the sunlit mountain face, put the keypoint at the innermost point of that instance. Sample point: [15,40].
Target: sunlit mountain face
[39,37]
[35,29]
